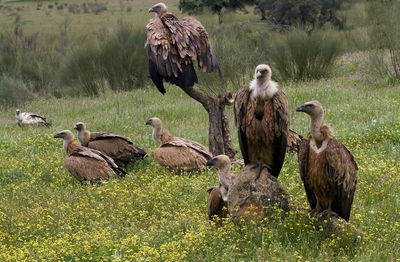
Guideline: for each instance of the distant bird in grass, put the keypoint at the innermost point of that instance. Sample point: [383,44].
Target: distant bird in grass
[175,153]
[262,119]
[30,119]
[327,168]
[218,195]
[172,44]
[86,164]
[117,147]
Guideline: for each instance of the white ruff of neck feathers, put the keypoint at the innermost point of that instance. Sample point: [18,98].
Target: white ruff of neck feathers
[263,89]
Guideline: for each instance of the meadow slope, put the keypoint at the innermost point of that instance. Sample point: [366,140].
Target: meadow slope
[152,214]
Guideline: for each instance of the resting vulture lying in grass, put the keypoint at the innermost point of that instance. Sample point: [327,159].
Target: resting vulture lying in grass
[87,164]
[172,44]
[117,147]
[30,119]
[177,153]
[327,168]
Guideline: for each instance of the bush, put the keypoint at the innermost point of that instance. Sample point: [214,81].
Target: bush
[302,56]
[384,37]
[13,91]
[117,61]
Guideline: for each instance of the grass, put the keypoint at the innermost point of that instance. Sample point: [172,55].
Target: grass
[154,215]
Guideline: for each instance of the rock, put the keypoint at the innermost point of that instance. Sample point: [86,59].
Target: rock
[252,197]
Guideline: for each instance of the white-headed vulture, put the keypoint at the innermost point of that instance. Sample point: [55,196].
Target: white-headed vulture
[262,119]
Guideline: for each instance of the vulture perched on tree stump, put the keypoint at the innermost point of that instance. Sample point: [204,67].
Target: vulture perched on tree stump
[117,147]
[172,44]
[218,195]
[327,168]
[175,153]
[87,164]
[262,119]
[30,119]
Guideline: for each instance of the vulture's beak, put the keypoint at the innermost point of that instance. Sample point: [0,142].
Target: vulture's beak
[300,108]
[59,135]
[76,127]
[151,10]
[259,75]
[210,162]
[148,122]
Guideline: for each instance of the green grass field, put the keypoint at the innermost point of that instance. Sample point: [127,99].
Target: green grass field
[154,215]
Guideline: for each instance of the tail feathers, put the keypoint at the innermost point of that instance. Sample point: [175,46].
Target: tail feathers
[293,141]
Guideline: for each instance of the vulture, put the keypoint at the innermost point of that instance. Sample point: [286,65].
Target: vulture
[327,168]
[172,44]
[117,147]
[218,195]
[86,164]
[30,119]
[262,119]
[177,153]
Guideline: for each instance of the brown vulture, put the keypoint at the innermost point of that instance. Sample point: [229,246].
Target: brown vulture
[327,168]
[172,44]
[87,164]
[218,195]
[117,147]
[177,153]
[262,119]
[30,119]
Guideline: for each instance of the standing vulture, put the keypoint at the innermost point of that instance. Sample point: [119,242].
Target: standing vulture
[30,119]
[262,119]
[327,168]
[218,195]
[172,44]
[117,147]
[87,164]
[177,153]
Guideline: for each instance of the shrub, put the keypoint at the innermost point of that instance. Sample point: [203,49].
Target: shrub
[302,56]
[13,91]
[74,8]
[384,37]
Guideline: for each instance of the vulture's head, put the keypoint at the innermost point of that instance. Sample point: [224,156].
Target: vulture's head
[263,72]
[80,126]
[159,9]
[17,112]
[66,135]
[155,122]
[220,161]
[312,108]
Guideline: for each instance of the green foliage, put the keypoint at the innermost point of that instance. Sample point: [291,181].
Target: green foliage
[295,12]
[154,215]
[13,91]
[239,48]
[384,35]
[216,6]
[117,60]
[302,56]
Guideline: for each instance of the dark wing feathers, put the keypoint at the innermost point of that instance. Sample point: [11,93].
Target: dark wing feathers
[182,142]
[240,104]
[216,205]
[281,109]
[342,170]
[92,165]
[171,46]
[303,166]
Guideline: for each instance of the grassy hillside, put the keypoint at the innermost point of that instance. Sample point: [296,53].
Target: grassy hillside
[154,215]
